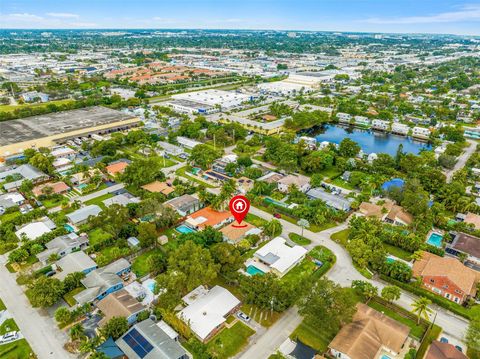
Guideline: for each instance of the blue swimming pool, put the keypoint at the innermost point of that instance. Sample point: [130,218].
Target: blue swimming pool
[69,228]
[184,229]
[435,239]
[82,186]
[252,270]
[151,286]
[385,357]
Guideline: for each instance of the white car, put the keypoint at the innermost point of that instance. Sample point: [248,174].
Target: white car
[243,316]
[9,337]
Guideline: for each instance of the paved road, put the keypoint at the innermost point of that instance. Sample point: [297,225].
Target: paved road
[36,326]
[343,273]
[168,170]
[93,195]
[462,160]
[274,336]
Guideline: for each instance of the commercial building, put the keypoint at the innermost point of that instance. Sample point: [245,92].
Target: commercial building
[225,100]
[48,130]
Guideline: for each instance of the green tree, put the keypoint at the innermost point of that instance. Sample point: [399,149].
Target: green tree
[348,148]
[147,234]
[421,309]
[45,292]
[227,256]
[142,171]
[115,328]
[63,315]
[203,156]
[472,336]
[391,293]
[273,228]
[77,332]
[367,289]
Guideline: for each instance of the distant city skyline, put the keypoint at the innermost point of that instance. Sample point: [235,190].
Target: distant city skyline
[402,16]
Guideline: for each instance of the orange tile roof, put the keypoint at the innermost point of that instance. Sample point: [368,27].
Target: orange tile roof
[235,233]
[57,187]
[159,187]
[472,218]
[115,168]
[213,218]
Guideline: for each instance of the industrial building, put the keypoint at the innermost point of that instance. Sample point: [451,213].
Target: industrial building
[48,130]
[206,101]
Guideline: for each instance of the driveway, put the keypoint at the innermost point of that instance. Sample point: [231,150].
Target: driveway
[462,160]
[343,273]
[38,328]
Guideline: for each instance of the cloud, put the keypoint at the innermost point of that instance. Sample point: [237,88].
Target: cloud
[78,24]
[23,17]
[466,13]
[63,15]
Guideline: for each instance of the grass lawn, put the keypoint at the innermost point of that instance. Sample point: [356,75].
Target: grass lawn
[2,305]
[298,239]
[432,335]
[50,203]
[16,350]
[397,252]
[316,228]
[341,237]
[341,183]
[13,269]
[69,296]
[7,217]
[8,325]
[307,267]
[181,172]
[330,172]
[255,220]
[313,337]
[11,108]
[140,263]
[99,200]
[230,341]
[98,235]
[402,316]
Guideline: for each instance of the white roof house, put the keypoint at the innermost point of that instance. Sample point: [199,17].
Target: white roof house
[278,256]
[81,215]
[207,309]
[35,229]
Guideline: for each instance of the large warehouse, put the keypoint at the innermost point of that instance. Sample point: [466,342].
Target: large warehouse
[48,130]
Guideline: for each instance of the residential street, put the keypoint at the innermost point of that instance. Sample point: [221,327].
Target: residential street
[96,194]
[343,273]
[274,336]
[37,327]
[462,160]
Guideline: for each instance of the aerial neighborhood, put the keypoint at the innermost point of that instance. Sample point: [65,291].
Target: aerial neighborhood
[358,154]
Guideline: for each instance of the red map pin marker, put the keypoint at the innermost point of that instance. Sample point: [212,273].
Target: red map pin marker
[239,207]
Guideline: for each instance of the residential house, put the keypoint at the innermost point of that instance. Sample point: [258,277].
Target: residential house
[468,245]
[371,335]
[120,304]
[146,340]
[220,165]
[187,143]
[10,199]
[400,129]
[207,310]
[36,229]
[421,132]
[388,212]
[440,350]
[63,152]
[300,181]
[80,216]
[245,184]
[271,177]
[23,172]
[82,177]
[473,219]
[208,217]
[344,117]
[336,201]
[184,205]
[62,164]
[234,233]
[446,276]
[33,96]
[164,188]
[361,121]
[116,168]
[277,257]
[122,199]
[380,125]
[51,187]
[74,262]
[103,281]
[63,245]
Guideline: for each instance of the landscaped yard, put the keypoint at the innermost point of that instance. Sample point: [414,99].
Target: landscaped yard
[2,305]
[69,296]
[19,349]
[97,236]
[11,108]
[7,217]
[255,220]
[8,325]
[99,200]
[298,239]
[140,264]
[313,337]
[341,237]
[397,252]
[230,341]
[54,202]
[307,267]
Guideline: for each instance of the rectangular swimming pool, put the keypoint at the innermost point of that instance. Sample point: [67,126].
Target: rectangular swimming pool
[435,239]
[252,270]
[185,229]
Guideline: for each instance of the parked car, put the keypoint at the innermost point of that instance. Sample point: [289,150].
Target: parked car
[277,215]
[50,273]
[243,316]
[8,337]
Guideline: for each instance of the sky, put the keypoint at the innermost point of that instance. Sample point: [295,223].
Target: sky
[398,16]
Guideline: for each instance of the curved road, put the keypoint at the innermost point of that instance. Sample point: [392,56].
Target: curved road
[343,273]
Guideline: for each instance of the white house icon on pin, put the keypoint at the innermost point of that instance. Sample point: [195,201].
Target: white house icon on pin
[239,206]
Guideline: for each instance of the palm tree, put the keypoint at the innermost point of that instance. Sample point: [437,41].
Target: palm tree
[77,332]
[303,223]
[420,307]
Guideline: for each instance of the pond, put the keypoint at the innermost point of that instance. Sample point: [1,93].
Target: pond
[370,141]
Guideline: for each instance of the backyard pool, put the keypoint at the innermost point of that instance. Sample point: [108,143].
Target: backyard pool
[435,239]
[384,356]
[150,284]
[82,186]
[69,228]
[252,270]
[185,229]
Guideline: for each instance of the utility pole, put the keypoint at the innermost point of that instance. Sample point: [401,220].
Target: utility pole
[214,146]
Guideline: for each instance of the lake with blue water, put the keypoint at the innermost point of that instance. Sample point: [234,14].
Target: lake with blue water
[370,141]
